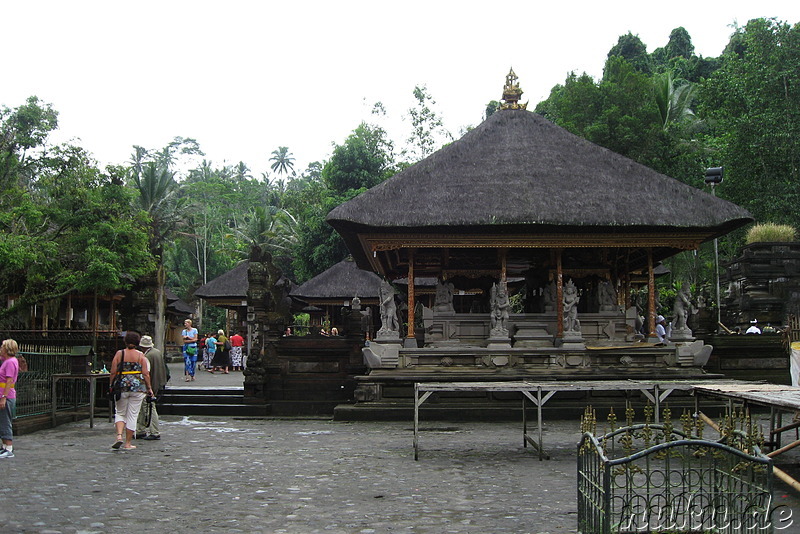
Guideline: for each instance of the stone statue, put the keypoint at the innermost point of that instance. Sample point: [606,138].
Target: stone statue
[389,323]
[571,300]
[444,297]
[500,306]
[682,307]
[550,293]
[607,296]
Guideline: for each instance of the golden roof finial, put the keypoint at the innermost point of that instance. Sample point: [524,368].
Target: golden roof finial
[512,93]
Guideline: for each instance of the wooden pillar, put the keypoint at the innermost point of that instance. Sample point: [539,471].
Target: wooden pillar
[559,295]
[411,303]
[651,295]
[503,268]
[627,281]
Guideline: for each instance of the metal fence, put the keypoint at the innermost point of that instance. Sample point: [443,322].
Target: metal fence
[655,478]
[35,386]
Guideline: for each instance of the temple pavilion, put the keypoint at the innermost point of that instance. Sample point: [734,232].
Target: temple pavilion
[521,206]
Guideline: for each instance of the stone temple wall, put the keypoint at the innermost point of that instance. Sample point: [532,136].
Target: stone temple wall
[763,283]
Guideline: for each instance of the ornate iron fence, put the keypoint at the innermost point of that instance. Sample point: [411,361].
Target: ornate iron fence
[35,386]
[655,478]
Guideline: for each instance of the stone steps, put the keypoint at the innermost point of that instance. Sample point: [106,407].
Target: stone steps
[209,401]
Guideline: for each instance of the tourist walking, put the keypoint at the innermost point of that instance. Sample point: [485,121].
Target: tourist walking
[134,386]
[189,335]
[202,353]
[237,347]
[9,372]
[147,424]
[211,349]
[222,358]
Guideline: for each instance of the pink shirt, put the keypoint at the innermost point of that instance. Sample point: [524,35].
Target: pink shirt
[9,371]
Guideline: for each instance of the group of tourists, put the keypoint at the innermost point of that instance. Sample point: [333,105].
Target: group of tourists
[138,372]
[217,352]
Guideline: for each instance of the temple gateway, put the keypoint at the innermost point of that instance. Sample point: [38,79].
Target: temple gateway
[521,209]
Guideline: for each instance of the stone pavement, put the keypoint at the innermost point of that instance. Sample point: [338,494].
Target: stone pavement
[225,474]
[203,378]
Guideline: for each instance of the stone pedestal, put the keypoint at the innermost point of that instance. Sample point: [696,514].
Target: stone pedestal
[388,336]
[573,340]
[681,335]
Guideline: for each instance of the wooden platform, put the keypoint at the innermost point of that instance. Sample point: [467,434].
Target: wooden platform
[773,396]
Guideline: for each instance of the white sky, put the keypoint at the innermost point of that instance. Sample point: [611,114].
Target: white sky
[245,77]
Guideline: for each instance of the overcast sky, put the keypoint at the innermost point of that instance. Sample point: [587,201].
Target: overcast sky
[245,77]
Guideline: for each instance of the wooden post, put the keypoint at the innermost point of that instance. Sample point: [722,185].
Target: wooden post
[651,295]
[559,295]
[503,268]
[411,334]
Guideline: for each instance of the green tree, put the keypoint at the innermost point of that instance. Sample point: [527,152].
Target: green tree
[23,131]
[491,107]
[64,226]
[427,129]
[363,161]
[753,105]
[282,160]
[159,197]
[673,100]
[631,48]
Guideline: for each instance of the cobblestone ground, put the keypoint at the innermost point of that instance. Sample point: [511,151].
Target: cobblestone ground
[223,474]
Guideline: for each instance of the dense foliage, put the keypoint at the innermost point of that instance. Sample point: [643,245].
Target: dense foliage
[173,217]
[680,114]
[65,226]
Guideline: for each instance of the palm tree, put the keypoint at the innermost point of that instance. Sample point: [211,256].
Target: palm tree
[268,229]
[158,196]
[673,101]
[242,172]
[283,162]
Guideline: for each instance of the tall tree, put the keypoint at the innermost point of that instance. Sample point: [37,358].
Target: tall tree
[158,197]
[362,161]
[64,226]
[282,160]
[631,48]
[427,129]
[753,105]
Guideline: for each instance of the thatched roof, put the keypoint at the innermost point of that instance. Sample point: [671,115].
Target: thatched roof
[517,171]
[176,305]
[343,281]
[230,284]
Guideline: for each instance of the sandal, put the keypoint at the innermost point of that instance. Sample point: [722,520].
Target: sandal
[117,444]
[129,447]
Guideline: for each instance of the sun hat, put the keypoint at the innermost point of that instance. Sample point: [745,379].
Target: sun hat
[146,342]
